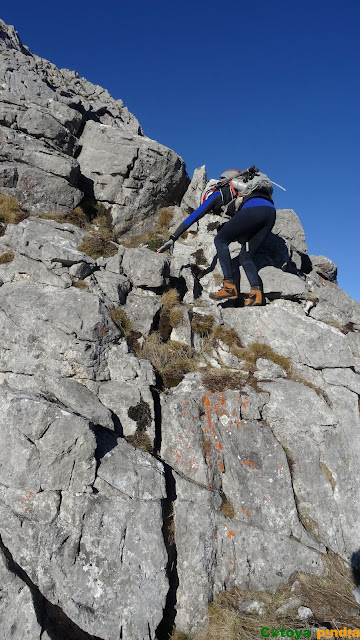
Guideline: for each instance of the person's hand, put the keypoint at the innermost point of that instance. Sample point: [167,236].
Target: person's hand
[168,245]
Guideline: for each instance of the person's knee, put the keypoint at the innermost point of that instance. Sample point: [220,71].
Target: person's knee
[217,241]
[220,241]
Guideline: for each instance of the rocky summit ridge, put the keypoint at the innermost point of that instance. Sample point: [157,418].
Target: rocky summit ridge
[157,449]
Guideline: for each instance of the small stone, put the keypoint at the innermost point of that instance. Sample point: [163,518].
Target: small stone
[293,603]
[304,613]
[253,606]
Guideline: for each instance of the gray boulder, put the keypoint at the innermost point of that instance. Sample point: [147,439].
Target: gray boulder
[44,447]
[128,393]
[334,306]
[277,283]
[16,597]
[135,175]
[113,286]
[142,307]
[300,338]
[289,227]
[41,179]
[192,197]
[225,537]
[48,114]
[303,421]
[144,268]
[324,267]
[47,241]
[108,583]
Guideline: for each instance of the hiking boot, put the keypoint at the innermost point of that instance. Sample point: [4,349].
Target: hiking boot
[227,292]
[255,299]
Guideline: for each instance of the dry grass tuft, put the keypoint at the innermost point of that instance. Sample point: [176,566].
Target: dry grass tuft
[171,313]
[10,212]
[154,238]
[170,299]
[98,246]
[217,380]
[179,636]
[199,256]
[6,257]
[165,217]
[81,284]
[75,217]
[261,350]
[140,440]
[90,215]
[120,318]
[227,336]
[202,324]
[171,359]
[175,316]
[227,507]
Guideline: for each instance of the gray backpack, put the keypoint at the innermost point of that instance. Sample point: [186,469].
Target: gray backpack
[245,182]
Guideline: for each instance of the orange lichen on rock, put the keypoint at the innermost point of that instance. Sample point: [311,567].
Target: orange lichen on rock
[250,463]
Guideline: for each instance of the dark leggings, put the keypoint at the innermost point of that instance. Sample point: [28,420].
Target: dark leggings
[250,227]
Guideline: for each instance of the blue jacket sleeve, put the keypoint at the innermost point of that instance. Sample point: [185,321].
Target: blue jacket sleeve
[212,203]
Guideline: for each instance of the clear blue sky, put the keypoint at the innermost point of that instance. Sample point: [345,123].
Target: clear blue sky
[272,82]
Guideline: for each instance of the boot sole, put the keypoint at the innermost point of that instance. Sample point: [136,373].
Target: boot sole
[222,298]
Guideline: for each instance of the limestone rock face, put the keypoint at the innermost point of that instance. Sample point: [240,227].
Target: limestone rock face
[192,197]
[132,173]
[156,448]
[49,116]
[219,492]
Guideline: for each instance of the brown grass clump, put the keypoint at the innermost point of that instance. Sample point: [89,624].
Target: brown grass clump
[202,324]
[75,217]
[8,256]
[140,440]
[10,212]
[120,318]
[81,284]
[171,313]
[217,380]
[97,246]
[227,507]
[199,257]
[175,316]
[261,350]
[227,336]
[87,215]
[165,217]
[179,636]
[154,238]
[171,359]
[170,299]
[330,599]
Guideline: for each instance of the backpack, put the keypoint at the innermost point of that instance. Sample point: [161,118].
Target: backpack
[240,184]
[245,182]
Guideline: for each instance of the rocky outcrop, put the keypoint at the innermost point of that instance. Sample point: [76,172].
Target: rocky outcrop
[156,448]
[120,540]
[62,136]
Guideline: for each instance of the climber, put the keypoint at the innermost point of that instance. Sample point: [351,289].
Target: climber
[249,225]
